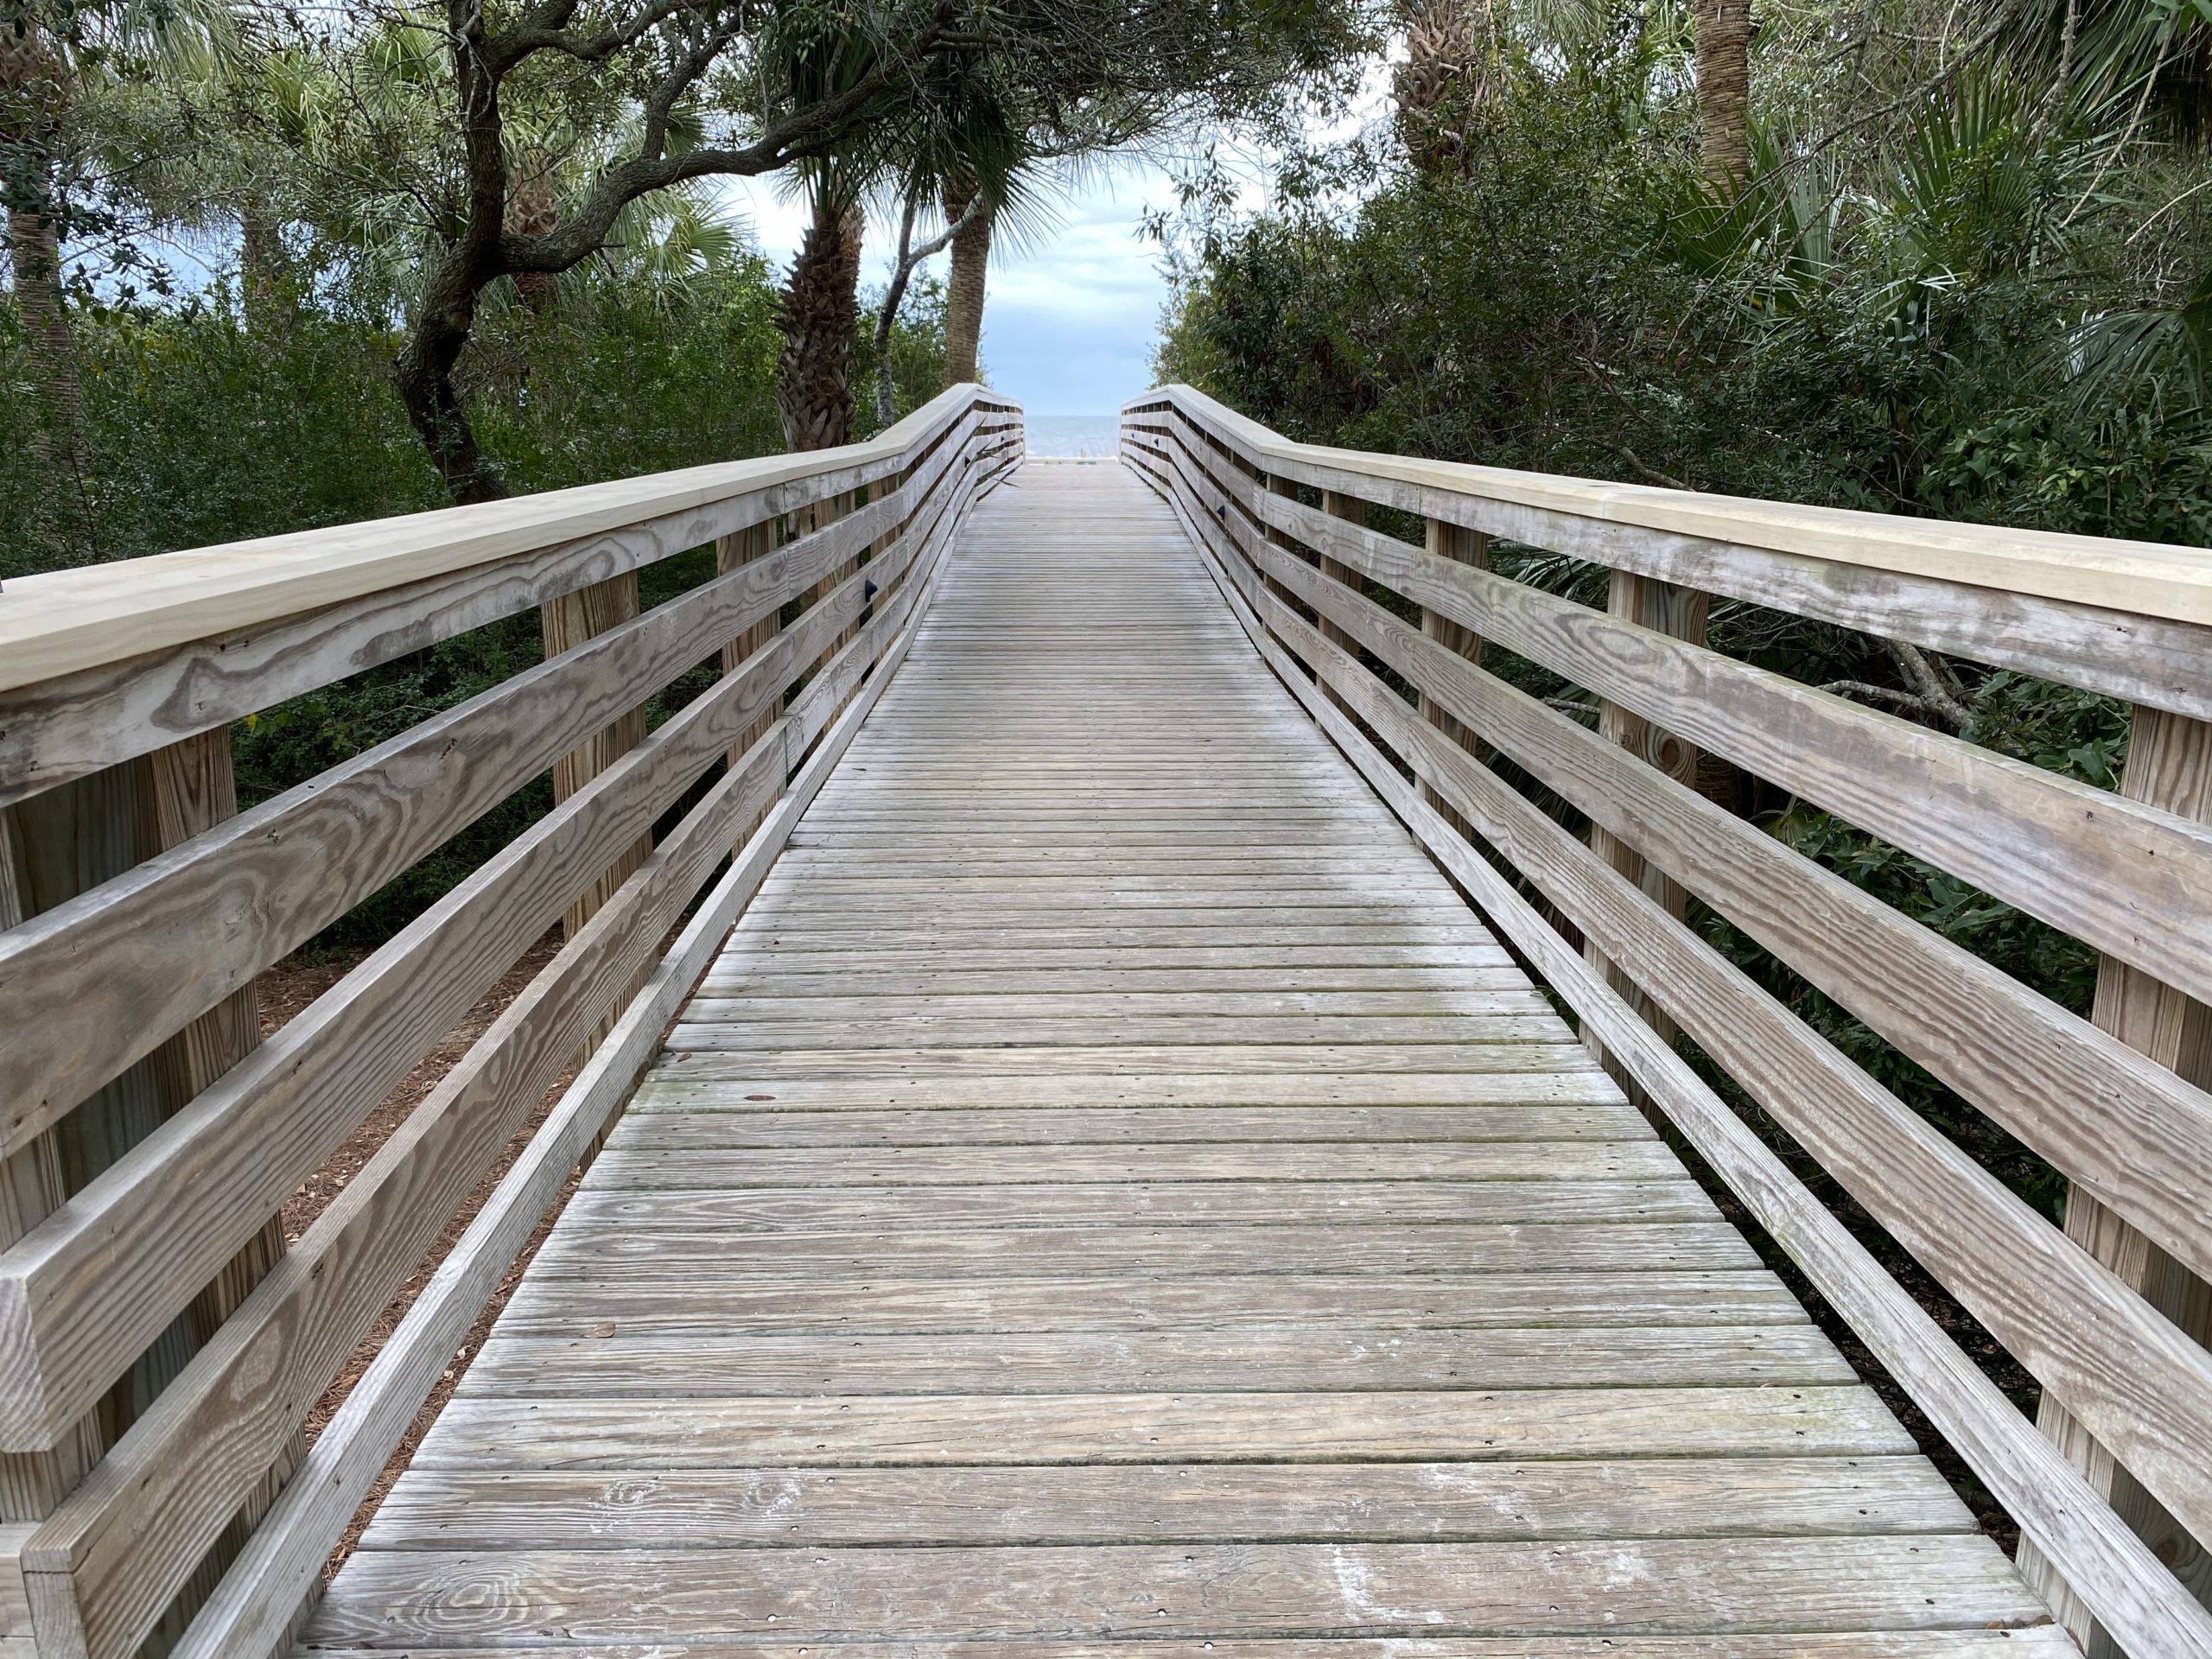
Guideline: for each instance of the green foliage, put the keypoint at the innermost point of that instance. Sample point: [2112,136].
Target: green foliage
[204,431]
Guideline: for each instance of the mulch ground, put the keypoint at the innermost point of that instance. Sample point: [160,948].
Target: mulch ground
[285,990]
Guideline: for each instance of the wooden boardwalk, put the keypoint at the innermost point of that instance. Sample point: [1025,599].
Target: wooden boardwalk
[1111,1195]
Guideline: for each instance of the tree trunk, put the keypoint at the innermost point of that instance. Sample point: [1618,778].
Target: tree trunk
[1450,44]
[424,374]
[1723,86]
[819,321]
[51,353]
[963,293]
[265,274]
[35,100]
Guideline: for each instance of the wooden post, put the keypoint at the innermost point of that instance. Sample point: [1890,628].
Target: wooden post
[1665,608]
[1465,546]
[1351,509]
[565,623]
[742,547]
[2169,765]
[1281,487]
[51,847]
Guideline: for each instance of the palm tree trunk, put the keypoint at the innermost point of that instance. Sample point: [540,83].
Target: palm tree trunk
[51,351]
[1723,86]
[1441,80]
[264,277]
[819,321]
[963,293]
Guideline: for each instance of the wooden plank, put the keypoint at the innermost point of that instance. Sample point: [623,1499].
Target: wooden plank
[890,1430]
[872,1004]
[686,1124]
[754,952]
[952,1031]
[2088,861]
[1429,1302]
[996,1092]
[800,1507]
[1166,1203]
[69,726]
[1468,547]
[2018,1643]
[1251,1358]
[1678,613]
[1963,568]
[1254,972]
[2169,765]
[1662,1585]
[871,1166]
[565,623]
[66,621]
[666,1260]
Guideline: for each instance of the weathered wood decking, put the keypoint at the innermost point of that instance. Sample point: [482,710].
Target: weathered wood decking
[1112,1194]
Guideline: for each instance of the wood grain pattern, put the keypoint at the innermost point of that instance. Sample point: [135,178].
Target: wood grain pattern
[135,1247]
[102,979]
[2169,582]
[2169,765]
[1878,1148]
[1192,1591]
[2123,875]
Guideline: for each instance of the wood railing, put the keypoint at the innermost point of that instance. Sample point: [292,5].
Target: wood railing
[1384,640]
[160,1344]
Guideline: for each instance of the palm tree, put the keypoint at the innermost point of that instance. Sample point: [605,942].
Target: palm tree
[1450,46]
[820,320]
[968,204]
[1724,89]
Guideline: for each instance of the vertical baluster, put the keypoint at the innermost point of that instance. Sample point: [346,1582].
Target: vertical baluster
[53,846]
[1665,608]
[739,548]
[1464,546]
[2169,765]
[565,624]
[1351,509]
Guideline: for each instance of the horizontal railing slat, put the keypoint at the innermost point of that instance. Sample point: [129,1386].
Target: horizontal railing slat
[103,979]
[2131,880]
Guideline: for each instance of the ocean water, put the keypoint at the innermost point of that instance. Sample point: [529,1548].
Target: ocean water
[1074,435]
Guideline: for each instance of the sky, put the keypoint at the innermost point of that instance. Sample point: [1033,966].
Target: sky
[1070,317]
